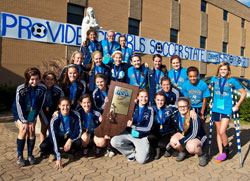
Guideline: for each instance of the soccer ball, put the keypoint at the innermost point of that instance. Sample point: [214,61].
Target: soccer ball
[39,30]
[158,47]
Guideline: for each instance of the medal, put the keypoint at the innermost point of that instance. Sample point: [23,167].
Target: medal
[65,136]
[161,126]
[31,108]
[47,108]
[72,102]
[87,130]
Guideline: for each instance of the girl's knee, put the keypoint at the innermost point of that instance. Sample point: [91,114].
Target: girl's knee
[191,148]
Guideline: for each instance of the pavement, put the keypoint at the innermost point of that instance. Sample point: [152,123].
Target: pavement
[118,168]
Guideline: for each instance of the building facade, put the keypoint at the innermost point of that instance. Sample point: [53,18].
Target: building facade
[221,26]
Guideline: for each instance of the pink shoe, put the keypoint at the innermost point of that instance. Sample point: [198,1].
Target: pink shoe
[222,157]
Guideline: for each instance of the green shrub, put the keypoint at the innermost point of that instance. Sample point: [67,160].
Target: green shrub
[245,110]
[7,96]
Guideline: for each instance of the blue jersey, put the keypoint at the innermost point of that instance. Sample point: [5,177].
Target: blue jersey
[137,76]
[178,78]
[88,49]
[196,93]
[99,99]
[222,101]
[126,54]
[108,49]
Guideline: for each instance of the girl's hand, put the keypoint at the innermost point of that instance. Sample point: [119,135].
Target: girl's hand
[106,99]
[31,127]
[235,108]
[25,127]
[100,119]
[193,115]
[58,164]
[129,123]
[67,145]
[146,65]
[56,114]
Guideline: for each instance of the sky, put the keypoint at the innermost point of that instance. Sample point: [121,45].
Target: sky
[246,2]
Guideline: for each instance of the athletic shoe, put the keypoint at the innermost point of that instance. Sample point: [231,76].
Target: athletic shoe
[157,153]
[181,156]
[203,160]
[31,159]
[111,154]
[132,159]
[167,154]
[222,157]
[20,161]
[106,153]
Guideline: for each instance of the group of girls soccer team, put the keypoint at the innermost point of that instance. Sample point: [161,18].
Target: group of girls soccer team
[162,119]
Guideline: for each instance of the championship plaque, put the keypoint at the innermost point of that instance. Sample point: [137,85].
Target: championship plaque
[118,110]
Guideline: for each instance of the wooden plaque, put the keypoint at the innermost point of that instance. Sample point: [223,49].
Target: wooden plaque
[118,110]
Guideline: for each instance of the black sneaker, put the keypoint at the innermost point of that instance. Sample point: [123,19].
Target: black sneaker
[20,161]
[203,160]
[181,156]
[44,156]
[31,160]
[167,153]
[157,153]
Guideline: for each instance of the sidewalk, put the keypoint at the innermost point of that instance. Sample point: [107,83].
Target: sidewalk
[118,168]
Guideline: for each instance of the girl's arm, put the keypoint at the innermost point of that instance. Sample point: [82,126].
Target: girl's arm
[203,108]
[195,125]
[242,97]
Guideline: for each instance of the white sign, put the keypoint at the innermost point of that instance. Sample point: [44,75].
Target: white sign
[27,28]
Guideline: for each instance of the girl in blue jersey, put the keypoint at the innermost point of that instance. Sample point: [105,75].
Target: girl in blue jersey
[72,86]
[109,46]
[126,51]
[53,94]
[136,74]
[90,46]
[76,59]
[65,131]
[29,100]
[90,120]
[97,67]
[154,77]
[172,94]
[100,93]
[133,143]
[222,106]
[177,75]
[190,135]
[118,69]
[197,91]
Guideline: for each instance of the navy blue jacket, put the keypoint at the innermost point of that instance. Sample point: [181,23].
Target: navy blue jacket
[152,84]
[106,72]
[75,127]
[48,110]
[172,96]
[98,100]
[19,107]
[195,129]
[122,74]
[146,123]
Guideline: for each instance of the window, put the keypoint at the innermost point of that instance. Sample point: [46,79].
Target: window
[242,51]
[75,14]
[242,23]
[133,26]
[224,47]
[203,6]
[173,35]
[225,15]
[202,42]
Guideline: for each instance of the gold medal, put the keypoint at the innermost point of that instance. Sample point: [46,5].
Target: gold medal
[31,108]
[47,108]
[161,126]
[65,136]
[183,133]
[72,102]
[86,130]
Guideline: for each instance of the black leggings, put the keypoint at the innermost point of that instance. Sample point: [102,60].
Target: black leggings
[47,146]
[159,140]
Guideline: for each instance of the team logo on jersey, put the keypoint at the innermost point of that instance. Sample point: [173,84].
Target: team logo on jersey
[122,94]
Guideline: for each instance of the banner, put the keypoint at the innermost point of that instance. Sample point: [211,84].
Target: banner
[27,28]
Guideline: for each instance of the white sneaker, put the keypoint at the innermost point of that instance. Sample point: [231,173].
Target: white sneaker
[106,153]
[111,154]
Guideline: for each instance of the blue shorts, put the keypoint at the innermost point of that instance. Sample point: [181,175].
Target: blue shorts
[218,116]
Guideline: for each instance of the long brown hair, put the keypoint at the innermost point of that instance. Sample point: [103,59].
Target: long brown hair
[187,116]
[228,68]
[163,68]
[93,62]
[31,71]
[49,73]
[88,33]
[65,83]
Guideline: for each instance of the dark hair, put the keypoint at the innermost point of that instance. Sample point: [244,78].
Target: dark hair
[157,55]
[88,33]
[135,55]
[175,57]
[100,75]
[31,71]
[142,90]
[122,36]
[49,73]
[64,99]
[84,96]
[160,93]
[65,82]
[163,68]
[192,69]
[165,79]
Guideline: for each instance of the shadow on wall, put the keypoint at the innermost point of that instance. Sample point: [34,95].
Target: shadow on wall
[9,77]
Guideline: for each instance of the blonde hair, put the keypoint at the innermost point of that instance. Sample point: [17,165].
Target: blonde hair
[116,52]
[228,68]
[73,56]
[93,62]
[187,116]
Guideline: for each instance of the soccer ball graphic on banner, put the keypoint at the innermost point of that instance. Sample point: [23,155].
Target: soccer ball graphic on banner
[39,30]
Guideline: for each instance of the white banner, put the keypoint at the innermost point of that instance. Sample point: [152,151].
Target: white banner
[27,28]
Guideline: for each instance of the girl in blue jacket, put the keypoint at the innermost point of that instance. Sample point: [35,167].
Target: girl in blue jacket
[65,131]
[190,136]
[154,77]
[53,94]
[133,143]
[97,67]
[29,100]
[72,86]
[222,106]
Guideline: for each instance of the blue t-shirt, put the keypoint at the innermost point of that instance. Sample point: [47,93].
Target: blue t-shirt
[141,78]
[64,127]
[178,78]
[108,49]
[196,93]
[88,122]
[127,53]
[222,103]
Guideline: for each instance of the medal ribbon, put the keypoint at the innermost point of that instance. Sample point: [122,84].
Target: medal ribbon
[65,124]
[124,54]
[89,118]
[110,48]
[157,77]
[117,74]
[98,69]
[92,46]
[178,76]
[138,79]
[222,86]
[32,96]
[73,88]
[158,116]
